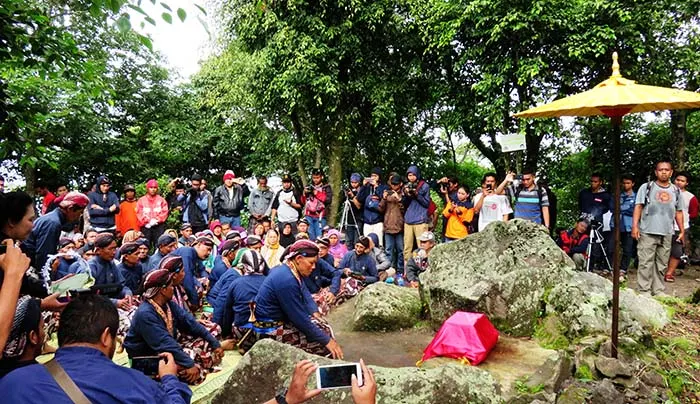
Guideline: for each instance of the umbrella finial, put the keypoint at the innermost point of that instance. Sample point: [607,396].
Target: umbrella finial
[615,66]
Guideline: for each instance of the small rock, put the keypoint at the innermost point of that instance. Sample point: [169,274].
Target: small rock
[611,367]
[627,382]
[534,398]
[574,395]
[654,379]
[552,373]
[384,307]
[604,392]
[584,363]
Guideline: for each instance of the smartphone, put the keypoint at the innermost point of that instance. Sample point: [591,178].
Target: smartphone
[63,299]
[338,376]
[146,364]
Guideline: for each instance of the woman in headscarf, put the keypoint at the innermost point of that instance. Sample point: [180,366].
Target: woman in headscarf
[26,336]
[272,250]
[131,236]
[174,265]
[232,309]
[215,228]
[336,249]
[284,303]
[287,236]
[159,321]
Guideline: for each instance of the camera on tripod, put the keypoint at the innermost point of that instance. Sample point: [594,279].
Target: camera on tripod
[349,192]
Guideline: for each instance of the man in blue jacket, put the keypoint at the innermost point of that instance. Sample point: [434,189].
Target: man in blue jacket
[627,203]
[192,258]
[104,206]
[372,214]
[105,271]
[416,199]
[360,265]
[87,339]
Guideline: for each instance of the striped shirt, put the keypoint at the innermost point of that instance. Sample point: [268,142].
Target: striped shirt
[528,205]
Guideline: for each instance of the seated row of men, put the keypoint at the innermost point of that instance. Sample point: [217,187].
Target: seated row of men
[288,302]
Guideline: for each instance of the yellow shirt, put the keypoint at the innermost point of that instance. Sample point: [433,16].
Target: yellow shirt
[455,221]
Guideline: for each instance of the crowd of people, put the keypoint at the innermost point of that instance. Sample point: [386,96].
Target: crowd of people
[189,294]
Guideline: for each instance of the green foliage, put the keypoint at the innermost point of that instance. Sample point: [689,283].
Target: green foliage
[584,373]
[551,334]
[522,387]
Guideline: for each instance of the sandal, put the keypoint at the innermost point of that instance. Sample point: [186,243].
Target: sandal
[669,278]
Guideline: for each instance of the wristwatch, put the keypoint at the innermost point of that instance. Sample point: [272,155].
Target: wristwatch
[281,397]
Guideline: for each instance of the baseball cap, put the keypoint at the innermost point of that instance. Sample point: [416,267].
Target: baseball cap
[427,236]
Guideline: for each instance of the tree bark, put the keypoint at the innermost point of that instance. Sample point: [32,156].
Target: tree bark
[30,178]
[335,177]
[679,119]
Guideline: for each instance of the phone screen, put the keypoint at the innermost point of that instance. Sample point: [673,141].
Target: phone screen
[146,364]
[331,377]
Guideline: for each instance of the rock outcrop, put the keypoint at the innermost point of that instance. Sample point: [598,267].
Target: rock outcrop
[268,366]
[384,307]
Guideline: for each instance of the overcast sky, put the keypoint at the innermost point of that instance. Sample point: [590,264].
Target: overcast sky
[183,44]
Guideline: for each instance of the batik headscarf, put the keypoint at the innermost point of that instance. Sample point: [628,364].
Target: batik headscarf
[72,199]
[252,262]
[155,281]
[171,263]
[305,248]
[27,318]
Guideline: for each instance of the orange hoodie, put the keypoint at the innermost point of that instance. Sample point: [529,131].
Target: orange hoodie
[126,218]
[455,222]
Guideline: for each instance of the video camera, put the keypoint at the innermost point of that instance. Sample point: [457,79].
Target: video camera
[444,185]
[593,224]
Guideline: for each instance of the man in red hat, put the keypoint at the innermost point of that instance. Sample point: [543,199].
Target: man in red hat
[228,199]
[152,212]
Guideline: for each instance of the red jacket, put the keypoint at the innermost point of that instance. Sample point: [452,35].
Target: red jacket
[151,207]
[573,245]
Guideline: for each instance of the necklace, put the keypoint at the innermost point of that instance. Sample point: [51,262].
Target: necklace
[166,315]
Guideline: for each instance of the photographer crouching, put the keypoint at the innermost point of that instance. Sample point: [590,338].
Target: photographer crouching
[353,217]
[574,242]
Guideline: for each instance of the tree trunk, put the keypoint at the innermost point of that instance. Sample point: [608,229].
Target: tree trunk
[679,118]
[302,171]
[30,178]
[335,178]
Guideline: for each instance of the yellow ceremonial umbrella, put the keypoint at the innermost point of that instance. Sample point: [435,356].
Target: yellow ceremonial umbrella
[616,97]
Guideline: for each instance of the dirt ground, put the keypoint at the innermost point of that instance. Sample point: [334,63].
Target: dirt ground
[684,286]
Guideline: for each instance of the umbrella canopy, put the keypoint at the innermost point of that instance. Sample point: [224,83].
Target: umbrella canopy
[616,96]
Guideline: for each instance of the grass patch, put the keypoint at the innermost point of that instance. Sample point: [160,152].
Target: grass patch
[584,373]
[522,387]
[550,333]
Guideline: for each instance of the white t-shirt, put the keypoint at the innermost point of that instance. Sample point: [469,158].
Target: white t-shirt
[285,212]
[493,209]
[687,196]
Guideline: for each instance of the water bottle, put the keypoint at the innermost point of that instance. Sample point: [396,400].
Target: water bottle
[399,280]
[389,280]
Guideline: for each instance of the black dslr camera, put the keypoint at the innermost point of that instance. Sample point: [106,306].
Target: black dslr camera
[309,190]
[411,188]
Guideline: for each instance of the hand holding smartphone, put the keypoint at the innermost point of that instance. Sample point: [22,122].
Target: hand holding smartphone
[338,376]
[146,364]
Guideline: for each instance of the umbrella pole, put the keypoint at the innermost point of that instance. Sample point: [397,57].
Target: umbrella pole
[617,123]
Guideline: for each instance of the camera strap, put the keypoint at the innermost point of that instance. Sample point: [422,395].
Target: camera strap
[65,382]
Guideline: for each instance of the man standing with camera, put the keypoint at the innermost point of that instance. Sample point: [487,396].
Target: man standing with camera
[529,202]
[195,205]
[490,206]
[391,205]
[317,200]
[353,225]
[372,214]
[416,199]
[658,205]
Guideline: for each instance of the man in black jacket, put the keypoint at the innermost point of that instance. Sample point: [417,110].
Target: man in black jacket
[228,199]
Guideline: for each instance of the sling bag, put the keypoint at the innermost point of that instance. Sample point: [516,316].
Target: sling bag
[65,382]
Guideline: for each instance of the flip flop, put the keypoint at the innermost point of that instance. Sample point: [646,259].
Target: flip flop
[669,278]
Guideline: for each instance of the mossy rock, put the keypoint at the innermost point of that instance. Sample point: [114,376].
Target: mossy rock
[384,307]
[270,364]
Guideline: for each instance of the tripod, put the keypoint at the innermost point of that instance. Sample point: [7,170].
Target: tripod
[596,238]
[347,213]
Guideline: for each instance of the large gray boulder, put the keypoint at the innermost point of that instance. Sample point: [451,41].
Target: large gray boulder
[384,307]
[503,271]
[515,273]
[583,303]
[269,366]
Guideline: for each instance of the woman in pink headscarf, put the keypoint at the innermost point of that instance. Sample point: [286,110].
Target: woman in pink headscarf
[336,249]
[152,212]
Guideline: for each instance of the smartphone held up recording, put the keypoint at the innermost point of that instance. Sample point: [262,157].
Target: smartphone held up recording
[148,365]
[338,376]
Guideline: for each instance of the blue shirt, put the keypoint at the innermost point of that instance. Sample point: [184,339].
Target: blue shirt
[102,217]
[363,264]
[149,336]
[627,203]
[106,272]
[63,268]
[324,274]
[100,379]
[217,271]
[154,260]
[234,304]
[44,238]
[132,275]
[283,298]
[221,288]
[193,269]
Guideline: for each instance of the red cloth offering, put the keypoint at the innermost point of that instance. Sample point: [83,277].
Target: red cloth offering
[464,335]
